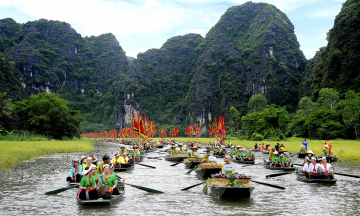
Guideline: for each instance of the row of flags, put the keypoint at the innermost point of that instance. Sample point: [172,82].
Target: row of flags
[217,129]
[193,130]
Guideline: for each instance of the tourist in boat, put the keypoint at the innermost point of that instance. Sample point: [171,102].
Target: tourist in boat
[326,169]
[173,151]
[106,160]
[248,156]
[260,147]
[277,147]
[122,150]
[271,154]
[125,158]
[305,143]
[75,173]
[110,183]
[206,157]
[327,151]
[83,160]
[239,155]
[88,163]
[282,147]
[193,150]
[117,160]
[309,154]
[92,156]
[232,151]
[275,160]
[306,167]
[287,161]
[216,151]
[314,166]
[256,146]
[87,185]
[95,162]
[223,151]
[227,161]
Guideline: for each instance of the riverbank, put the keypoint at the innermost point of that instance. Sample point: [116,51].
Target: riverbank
[13,152]
[348,150]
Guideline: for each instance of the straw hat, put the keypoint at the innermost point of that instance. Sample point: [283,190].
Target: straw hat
[275,152]
[326,146]
[309,152]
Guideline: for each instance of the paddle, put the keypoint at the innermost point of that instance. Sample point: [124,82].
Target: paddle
[142,188]
[270,185]
[60,190]
[145,165]
[194,168]
[354,176]
[251,165]
[192,186]
[278,174]
[175,164]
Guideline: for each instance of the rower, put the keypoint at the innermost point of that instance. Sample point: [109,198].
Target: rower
[287,161]
[271,154]
[326,169]
[326,150]
[302,148]
[328,143]
[256,146]
[173,151]
[110,183]
[232,151]
[117,160]
[305,143]
[87,185]
[88,163]
[275,160]
[306,167]
[277,147]
[313,168]
[106,160]
[248,156]
[194,149]
[206,157]
[310,154]
[282,147]
[226,169]
[75,173]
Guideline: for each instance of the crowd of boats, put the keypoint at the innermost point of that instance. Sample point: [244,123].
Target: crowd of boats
[99,183]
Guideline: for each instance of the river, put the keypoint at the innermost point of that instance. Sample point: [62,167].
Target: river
[23,196]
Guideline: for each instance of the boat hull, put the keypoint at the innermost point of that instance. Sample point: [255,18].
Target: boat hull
[192,164]
[206,173]
[175,159]
[301,155]
[300,177]
[232,192]
[124,169]
[267,166]
[111,201]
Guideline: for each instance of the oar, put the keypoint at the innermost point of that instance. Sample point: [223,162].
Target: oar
[270,185]
[278,174]
[354,176]
[60,190]
[143,188]
[192,186]
[251,165]
[146,165]
[194,168]
[175,164]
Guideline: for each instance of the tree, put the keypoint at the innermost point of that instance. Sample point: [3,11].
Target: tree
[6,106]
[235,117]
[49,115]
[328,97]
[351,111]
[257,103]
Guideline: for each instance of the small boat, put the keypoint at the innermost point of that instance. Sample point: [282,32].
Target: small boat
[113,200]
[160,146]
[124,169]
[300,176]
[141,158]
[301,155]
[192,164]
[175,159]
[232,192]
[331,159]
[207,172]
[267,166]
[152,149]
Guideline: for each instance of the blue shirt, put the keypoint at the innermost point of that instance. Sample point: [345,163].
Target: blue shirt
[72,172]
[305,144]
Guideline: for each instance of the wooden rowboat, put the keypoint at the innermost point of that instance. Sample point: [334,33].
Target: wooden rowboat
[300,176]
[152,149]
[124,169]
[267,166]
[141,158]
[175,159]
[111,201]
[301,155]
[192,164]
[206,173]
[331,159]
[232,192]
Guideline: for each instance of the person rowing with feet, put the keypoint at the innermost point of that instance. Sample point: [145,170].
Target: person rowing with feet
[75,173]
[306,167]
[313,169]
[87,184]
[228,169]
[109,183]
[326,169]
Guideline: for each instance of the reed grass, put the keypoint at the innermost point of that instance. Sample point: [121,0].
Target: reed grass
[347,150]
[13,152]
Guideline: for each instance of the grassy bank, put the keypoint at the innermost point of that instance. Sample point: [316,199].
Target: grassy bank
[348,150]
[12,152]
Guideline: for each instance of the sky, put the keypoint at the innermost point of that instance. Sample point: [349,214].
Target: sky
[140,25]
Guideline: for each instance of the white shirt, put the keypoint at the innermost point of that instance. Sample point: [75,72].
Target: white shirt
[323,169]
[306,167]
[311,168]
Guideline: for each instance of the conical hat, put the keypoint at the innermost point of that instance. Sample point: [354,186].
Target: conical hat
[309,152]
